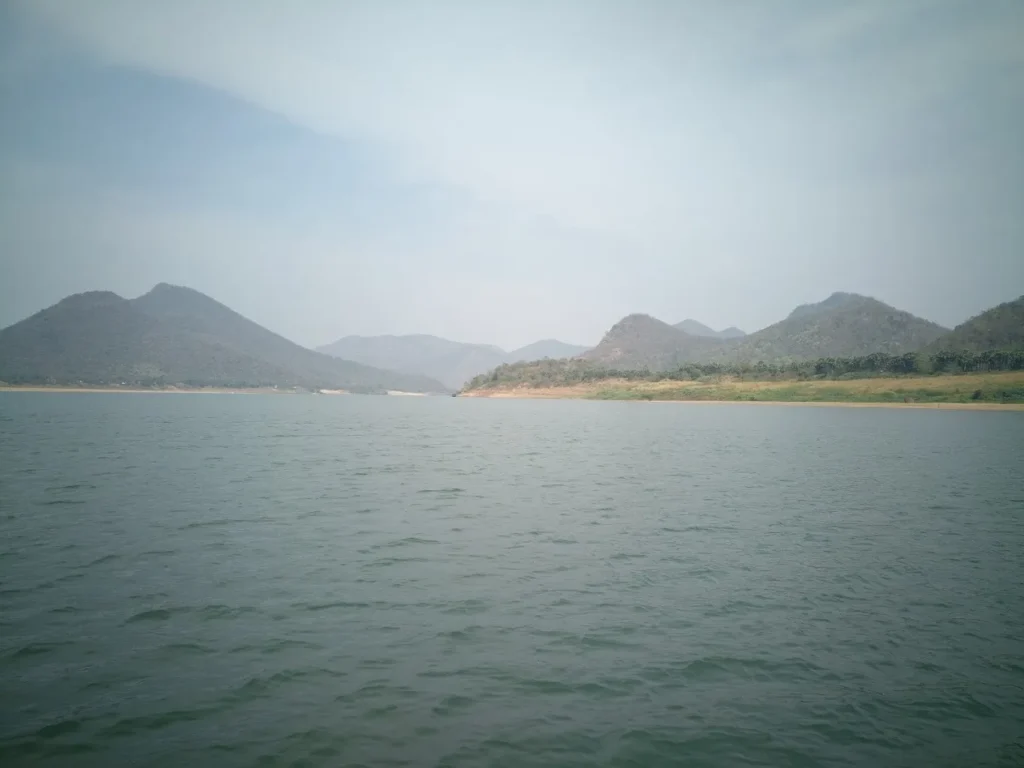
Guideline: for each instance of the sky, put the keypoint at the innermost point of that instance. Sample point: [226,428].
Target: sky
[501,172]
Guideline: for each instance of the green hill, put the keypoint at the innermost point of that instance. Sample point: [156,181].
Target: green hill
[1001,327]
[845,330]
[644,342]
[843,325]
[172,336]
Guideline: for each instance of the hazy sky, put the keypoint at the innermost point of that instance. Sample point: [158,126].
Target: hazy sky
[505,171]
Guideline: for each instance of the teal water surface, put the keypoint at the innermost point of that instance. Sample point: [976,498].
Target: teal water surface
[272,580]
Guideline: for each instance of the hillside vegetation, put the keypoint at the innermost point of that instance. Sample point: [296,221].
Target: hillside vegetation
[568,373]
[843,325]
[172,336]
[844,337]
[1001,327]
[643,342]
[985,389]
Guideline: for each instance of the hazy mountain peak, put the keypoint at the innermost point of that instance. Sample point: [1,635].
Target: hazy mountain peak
[166,287]
[639,319]
[545,348]
[89,299]
[696,328]
[168,295]
[837,299]
[165,296]
[732,332]
[451,362]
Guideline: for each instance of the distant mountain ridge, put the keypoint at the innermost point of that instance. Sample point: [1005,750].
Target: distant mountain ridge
[176,335]
[451,362]
[545,348]
[695,328]
[843,325]
[169,336]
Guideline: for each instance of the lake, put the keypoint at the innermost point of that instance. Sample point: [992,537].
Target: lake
[218,580]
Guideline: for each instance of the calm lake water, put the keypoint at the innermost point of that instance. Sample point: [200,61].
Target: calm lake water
[271,580]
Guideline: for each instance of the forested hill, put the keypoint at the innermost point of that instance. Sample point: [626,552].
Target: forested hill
[844,335]
[570,372]
[1001,327]
[641,341]
[173,336]
[843,325]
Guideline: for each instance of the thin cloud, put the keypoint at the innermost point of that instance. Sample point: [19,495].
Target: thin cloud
[718,161]
[592,113]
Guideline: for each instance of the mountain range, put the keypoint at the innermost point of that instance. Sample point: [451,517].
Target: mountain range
[174,336]
[178,336]
[451,362]
[843,325]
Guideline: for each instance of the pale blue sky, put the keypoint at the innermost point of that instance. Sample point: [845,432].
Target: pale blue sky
[503,172]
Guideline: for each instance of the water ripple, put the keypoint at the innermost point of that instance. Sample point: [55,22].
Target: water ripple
[386,581]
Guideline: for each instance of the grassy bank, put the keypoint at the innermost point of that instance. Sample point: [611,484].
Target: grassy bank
[969,389]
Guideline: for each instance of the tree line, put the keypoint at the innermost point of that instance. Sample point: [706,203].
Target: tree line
[574,371]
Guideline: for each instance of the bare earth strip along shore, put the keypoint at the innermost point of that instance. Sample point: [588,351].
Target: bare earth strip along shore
[1002,391]
[988,391]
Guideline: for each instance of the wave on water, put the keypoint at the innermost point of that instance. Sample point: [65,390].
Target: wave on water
[528,583]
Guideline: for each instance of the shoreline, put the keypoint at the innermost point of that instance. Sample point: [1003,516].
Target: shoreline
[545,393]
[140,391]
[198,391]
[944,406]
[996,391]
